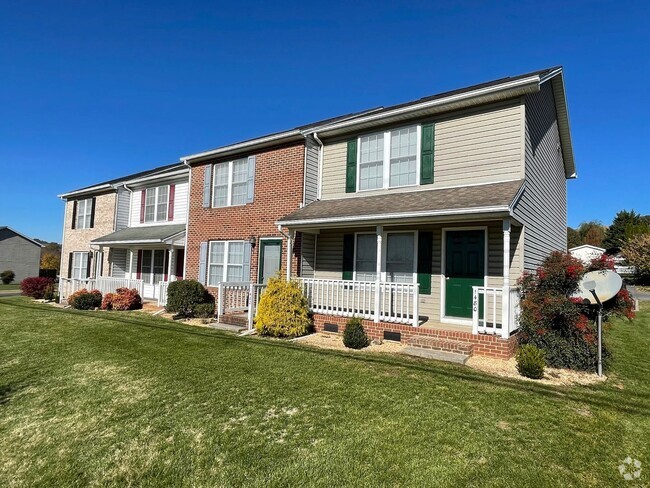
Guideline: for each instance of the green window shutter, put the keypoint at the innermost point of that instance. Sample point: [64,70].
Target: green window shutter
[425,252]
[348,256]
[426,154]
[351,167]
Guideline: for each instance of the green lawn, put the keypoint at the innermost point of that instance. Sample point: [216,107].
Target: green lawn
[126,399]
[10,286]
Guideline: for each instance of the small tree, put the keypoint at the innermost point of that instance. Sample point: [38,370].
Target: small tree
[283,310]
[637,253]
[625,226]
[7,276]
[354,336]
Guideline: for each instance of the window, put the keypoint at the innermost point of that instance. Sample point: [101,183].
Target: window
[225,262]
[366,257]
[399,257]
[156,203]
[84,214]
[389,159]
[153,265]
[79,270]
[230,183]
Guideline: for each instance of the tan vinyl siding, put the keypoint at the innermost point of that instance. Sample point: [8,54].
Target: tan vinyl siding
[471,147]
[308,255]
[542,206]
[311,170]
[329,264]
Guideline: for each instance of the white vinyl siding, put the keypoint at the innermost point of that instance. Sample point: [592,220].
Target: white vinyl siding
[79,265]
[180,206]
[225,262]
[478,146]
[230,183]
[84,213]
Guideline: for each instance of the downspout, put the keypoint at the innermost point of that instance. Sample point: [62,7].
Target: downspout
[187,218]
[128,224]
[320,164]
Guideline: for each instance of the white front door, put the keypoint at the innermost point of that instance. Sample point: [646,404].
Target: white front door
[153,271]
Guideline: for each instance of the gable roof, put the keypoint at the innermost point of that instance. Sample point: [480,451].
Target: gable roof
[111,184]
[588,246]
[482,93]
[4,227]
[494,198]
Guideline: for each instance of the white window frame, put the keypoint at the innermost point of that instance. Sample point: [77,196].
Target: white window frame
[386,161]
[87,212]
[225,264]
[83,275]
[156,190]
[231,175]
[384,248]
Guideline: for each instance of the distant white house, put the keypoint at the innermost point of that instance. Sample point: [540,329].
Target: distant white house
[587,252]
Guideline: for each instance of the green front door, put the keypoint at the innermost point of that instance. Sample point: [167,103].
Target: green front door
[270,259]
[464,268]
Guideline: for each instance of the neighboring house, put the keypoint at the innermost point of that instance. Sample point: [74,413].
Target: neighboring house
[19,253]
[586,253]
[130,228]
[447,199]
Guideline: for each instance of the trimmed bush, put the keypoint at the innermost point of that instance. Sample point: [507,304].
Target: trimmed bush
[122,299]
[283,310]
[531,362]
[204,310]
[183,297]
[35,286]
[354,336]
[49,293]
[85,300]
[7,276]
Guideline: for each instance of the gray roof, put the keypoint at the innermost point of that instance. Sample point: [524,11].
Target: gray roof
[147,234]
[494,197]
[3,227]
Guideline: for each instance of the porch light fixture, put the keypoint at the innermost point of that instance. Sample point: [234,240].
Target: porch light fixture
[251,241]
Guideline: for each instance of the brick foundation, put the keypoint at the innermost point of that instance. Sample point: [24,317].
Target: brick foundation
[483,344]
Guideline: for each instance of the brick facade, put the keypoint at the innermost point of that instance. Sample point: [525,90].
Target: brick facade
[279,181]
[483,344]
[79,239]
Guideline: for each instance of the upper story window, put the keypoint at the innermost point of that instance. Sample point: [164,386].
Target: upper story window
[231,183]
[83,214]
[389,159]
[157,204]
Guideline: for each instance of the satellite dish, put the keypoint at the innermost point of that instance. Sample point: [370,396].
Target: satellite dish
[606,284]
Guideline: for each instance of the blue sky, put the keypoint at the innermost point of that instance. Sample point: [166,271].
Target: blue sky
[92,90]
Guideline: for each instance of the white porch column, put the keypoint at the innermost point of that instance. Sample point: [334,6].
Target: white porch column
[99,259]
[290,239]
[379,232]
[170,259]
[131,263]
[505,297]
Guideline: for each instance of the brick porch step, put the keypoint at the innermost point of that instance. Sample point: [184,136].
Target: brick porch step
[240,320]
[440,349]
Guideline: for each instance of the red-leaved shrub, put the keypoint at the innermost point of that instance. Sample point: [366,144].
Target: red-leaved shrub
[35,286]
[126,299]
[107,301]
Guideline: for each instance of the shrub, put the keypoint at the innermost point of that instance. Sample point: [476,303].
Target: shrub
[35,286]
[85,300]
[107,301]
[184,295]
[354,336]
[282,311]
[204,310]
[126,299]
[531,362]
[49,293]
[7,276]
[563,327]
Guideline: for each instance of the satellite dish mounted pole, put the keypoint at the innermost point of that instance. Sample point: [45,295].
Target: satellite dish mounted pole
[591,286]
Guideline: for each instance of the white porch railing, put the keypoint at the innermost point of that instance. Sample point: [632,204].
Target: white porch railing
[105,284]
[236,297]
[490,312]
[162,293]
[388,302]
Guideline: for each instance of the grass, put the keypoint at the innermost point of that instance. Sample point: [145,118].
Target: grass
[89,398]
[10,286]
